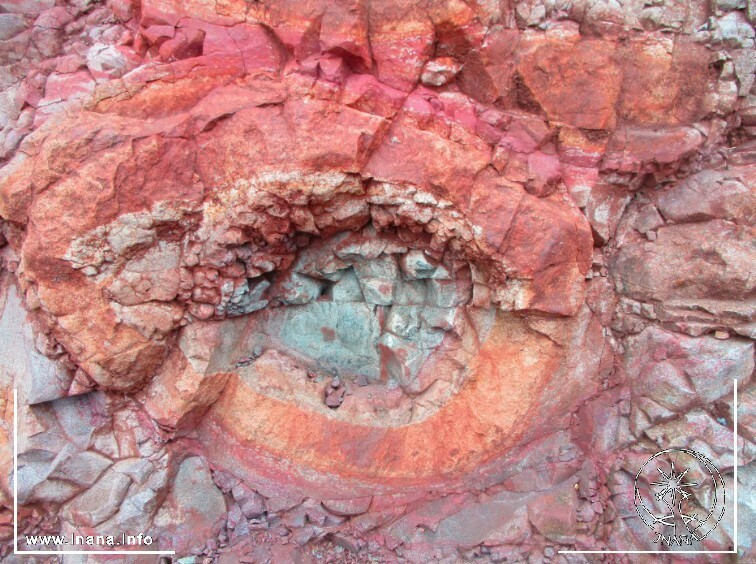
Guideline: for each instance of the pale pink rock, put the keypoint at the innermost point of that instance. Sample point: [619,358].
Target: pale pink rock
[284,281]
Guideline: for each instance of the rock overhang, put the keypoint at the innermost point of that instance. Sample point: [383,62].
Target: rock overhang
[171,186]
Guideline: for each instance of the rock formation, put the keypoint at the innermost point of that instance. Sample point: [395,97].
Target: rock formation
[374,281]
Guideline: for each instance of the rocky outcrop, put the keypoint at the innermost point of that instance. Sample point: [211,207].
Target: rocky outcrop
[372,280]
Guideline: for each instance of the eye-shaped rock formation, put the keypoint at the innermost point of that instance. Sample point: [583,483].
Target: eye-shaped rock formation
[372,280]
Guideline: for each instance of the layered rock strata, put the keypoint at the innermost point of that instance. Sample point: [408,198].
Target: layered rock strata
[364,281]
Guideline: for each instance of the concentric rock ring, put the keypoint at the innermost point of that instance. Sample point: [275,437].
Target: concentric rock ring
[280,280]
[485,417]
[175,222]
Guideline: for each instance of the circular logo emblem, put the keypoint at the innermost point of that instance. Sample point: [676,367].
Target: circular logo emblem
[679,494]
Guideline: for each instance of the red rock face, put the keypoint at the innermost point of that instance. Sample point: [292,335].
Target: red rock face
[384,280]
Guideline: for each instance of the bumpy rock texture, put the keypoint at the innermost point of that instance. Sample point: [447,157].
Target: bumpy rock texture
[373,280]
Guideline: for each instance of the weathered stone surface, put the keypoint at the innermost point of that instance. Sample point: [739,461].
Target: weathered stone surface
[152,277]
[663,81]
[408,458]
[675,370]
[709,195]
[184,387]
[499,520]
[634,149]
[100,502]
[282,281]
[554,514]
[44,380]
[692,261]
[699,431]
[348,507]
[193,510]
[577,83]
[401,41]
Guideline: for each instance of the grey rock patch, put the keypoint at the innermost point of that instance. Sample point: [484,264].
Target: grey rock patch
[339,335]
[710,194]
[448,293]
[194,508]
[415,265]
[82,468]
[347,289]
[41,378]
[11,25]
[377,279]
[410,292]
[298,289]
[100,502]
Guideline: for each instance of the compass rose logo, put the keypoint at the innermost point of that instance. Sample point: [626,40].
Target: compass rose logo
[679,494]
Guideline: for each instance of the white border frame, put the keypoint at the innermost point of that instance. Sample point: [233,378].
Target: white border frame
[735,501]
[15,509]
